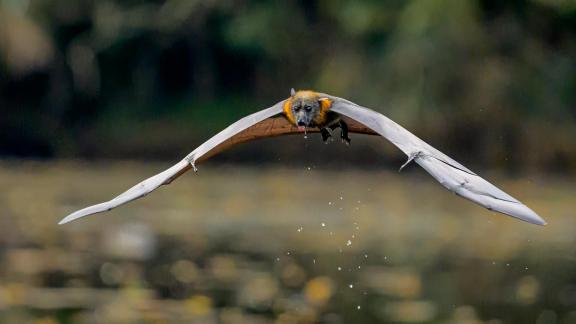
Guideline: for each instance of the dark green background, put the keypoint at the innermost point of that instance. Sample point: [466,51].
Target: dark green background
[495,80]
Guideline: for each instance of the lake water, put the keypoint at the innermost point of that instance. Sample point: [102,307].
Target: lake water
[263,245]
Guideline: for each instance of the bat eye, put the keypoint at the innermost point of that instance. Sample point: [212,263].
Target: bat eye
[307,108]
[297,108]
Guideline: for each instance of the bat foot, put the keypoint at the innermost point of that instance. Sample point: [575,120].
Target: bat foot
[326,135]
[344,137]
[344,133]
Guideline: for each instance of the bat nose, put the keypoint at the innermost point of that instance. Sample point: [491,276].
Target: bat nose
[301,123]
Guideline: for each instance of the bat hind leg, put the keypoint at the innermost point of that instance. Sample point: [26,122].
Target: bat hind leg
[334,121]
[326,134]
[344,132]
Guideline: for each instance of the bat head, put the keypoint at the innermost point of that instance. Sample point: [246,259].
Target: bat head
[305,108]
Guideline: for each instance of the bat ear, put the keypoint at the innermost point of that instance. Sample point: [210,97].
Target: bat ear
[325,103]
[292,92]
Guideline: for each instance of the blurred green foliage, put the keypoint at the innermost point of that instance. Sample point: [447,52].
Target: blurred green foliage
[152,78]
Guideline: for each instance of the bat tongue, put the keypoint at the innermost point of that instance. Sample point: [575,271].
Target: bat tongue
[301,128]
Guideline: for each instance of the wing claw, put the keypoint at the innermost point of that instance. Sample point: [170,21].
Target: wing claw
[411,158]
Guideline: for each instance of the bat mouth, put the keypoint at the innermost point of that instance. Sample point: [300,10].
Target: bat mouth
[302,129]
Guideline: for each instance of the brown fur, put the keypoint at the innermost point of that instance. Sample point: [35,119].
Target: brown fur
[321,119]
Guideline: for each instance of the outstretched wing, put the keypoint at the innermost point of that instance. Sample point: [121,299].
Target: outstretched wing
[267,122]
[451,174]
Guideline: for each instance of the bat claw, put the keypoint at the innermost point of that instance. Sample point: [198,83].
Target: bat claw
[411,158]
[345,139]
[192,161]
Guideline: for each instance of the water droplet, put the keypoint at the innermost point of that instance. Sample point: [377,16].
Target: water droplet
[277,259]
[288,253]
[314,261]
[339,268]
[366,256]
[351,286]
[348,243]
[300,229]
[309,168]
[358,267]
[329,203]
[358,307]
[341,197]
[323,224]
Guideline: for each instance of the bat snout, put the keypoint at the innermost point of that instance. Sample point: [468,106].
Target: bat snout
[303,120]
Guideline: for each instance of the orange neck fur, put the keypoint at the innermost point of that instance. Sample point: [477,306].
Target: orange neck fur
[288,111]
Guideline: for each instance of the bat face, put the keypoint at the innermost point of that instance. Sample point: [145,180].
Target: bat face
[306,109]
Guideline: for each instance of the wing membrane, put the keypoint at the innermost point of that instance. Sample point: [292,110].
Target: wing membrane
[451,174]
[214,145]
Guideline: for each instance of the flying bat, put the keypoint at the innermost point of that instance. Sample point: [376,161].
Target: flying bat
[309,111]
